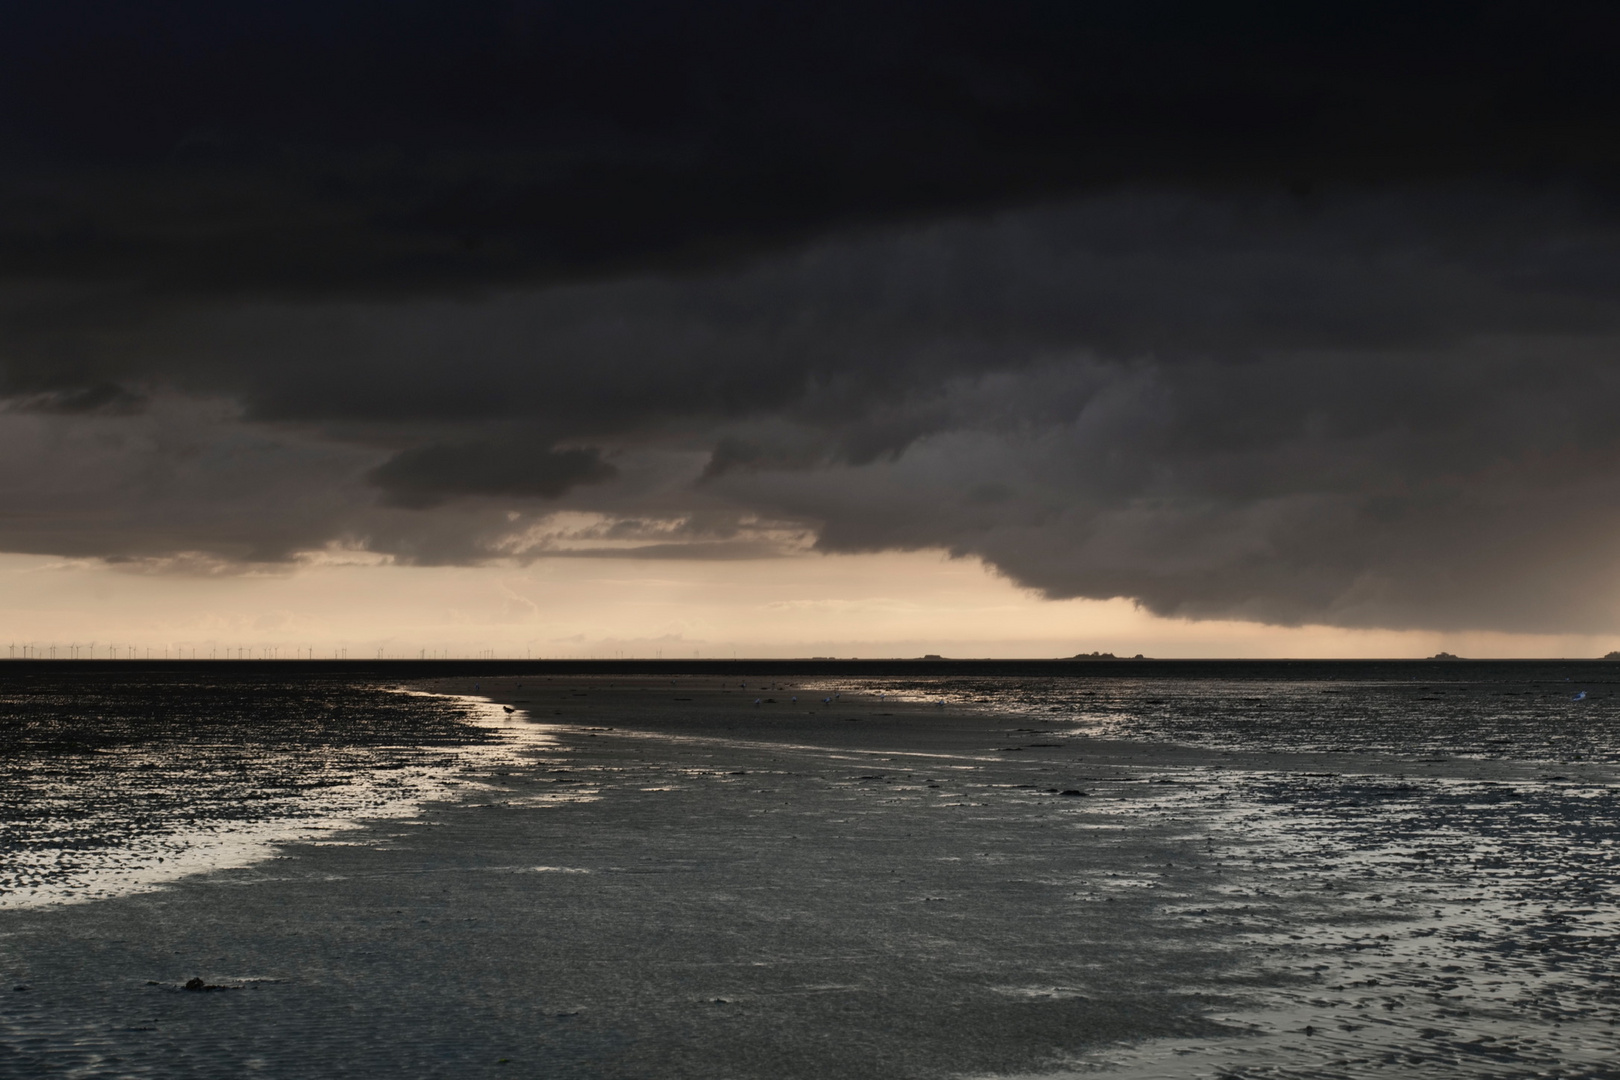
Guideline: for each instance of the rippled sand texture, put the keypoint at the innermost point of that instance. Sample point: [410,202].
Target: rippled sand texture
[683,883]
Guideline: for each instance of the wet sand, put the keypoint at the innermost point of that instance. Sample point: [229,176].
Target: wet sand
[673,881]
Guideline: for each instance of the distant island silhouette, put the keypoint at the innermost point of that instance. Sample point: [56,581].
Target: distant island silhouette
[1105,656]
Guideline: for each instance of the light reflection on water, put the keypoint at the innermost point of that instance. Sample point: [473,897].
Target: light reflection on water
[1531,720]
[99,799]
[1455,915]
[1429,927]
[1435,897]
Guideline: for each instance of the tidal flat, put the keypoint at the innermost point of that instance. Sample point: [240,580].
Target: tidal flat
[700,876]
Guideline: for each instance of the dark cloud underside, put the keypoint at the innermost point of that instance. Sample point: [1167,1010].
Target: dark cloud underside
[426,476]
[1289,312]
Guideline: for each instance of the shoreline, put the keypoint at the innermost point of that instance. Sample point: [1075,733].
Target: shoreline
[623,904]
[681,883]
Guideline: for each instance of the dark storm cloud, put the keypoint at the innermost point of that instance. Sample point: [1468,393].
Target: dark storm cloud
[1475,489]
[371,145]
[1275,311]
[100,398]
[838,331]
[426,476]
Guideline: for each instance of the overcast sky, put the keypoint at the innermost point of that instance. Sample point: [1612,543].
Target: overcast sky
[1232,328]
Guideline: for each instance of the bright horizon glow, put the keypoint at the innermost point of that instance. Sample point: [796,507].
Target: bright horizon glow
[848,606]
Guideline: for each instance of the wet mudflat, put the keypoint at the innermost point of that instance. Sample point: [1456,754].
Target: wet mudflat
[670,880]
[683,900]
[113,781]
